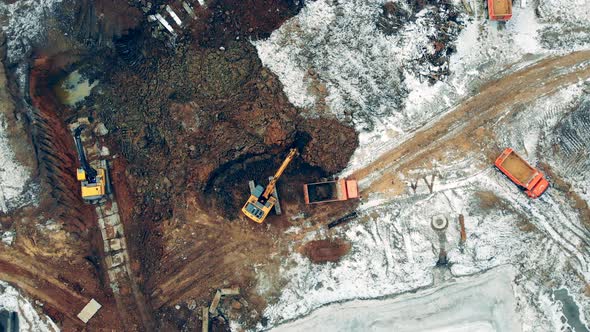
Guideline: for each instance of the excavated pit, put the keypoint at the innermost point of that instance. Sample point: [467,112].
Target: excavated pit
[228,190]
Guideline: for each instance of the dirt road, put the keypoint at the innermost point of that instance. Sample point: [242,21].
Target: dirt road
[467,126]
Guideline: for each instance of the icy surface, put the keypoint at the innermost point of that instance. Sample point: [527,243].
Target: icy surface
[484,303]
[28,318]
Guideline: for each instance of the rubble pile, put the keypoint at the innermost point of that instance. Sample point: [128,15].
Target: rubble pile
[443,22]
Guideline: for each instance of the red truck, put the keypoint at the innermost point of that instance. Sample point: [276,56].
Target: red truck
[500,10]
[530,179]
[330,191]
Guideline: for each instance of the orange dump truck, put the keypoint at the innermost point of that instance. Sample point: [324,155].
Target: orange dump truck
[330,191]
[520,172]
[500,10]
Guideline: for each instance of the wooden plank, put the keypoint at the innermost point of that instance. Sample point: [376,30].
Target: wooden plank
[230,291]
[215,302]
[89,310]
[205,326]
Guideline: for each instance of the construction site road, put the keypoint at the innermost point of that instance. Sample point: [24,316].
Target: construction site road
[464,127]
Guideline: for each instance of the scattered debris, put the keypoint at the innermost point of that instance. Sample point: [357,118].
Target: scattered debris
[342,220]
[213,311]
[467,6]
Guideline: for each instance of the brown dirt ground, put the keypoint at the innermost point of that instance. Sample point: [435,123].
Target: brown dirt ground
[60,268]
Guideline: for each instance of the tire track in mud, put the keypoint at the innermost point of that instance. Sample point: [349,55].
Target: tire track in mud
[481,110]
[562,234]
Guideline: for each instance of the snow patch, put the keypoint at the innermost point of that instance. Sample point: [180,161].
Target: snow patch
[13,176]
[24,24]
[28,318]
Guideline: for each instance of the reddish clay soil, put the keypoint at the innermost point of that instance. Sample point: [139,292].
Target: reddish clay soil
[323,251]
[61,267]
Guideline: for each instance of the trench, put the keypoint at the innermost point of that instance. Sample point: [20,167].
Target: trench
[227,189]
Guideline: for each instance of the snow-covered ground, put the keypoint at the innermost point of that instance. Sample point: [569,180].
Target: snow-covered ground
[28,319]
[13,176]
[364,70]
[23,27]
[394,248]
[483,303]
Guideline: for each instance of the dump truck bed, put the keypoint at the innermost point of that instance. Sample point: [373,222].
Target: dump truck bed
[519,168]
[520,172]
[322,192]
[330,191]
[501,7]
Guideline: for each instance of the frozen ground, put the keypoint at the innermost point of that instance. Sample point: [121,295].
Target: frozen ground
[28,318]
[13,176]
[483,303]
[21,25]
[365,71]
[394,248]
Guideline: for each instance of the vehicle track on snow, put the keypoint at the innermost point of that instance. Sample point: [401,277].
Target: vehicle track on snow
[493,101]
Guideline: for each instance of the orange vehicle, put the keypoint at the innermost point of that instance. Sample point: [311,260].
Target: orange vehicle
[330,191]
[530,179]
[500,10]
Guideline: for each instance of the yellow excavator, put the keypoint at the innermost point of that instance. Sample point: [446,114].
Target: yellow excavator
[93,182]
[262,200]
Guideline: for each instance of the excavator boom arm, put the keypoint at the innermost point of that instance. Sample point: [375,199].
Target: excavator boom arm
[90,172]
[271,186]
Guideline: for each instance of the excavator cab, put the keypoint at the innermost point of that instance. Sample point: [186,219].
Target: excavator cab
[257,207]
[93,182]
[262,200]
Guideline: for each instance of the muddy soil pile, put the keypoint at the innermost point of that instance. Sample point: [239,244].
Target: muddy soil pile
[323,251]
[238,19]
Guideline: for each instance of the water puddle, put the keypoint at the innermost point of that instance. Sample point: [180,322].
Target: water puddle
[74,88]
[570,310]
